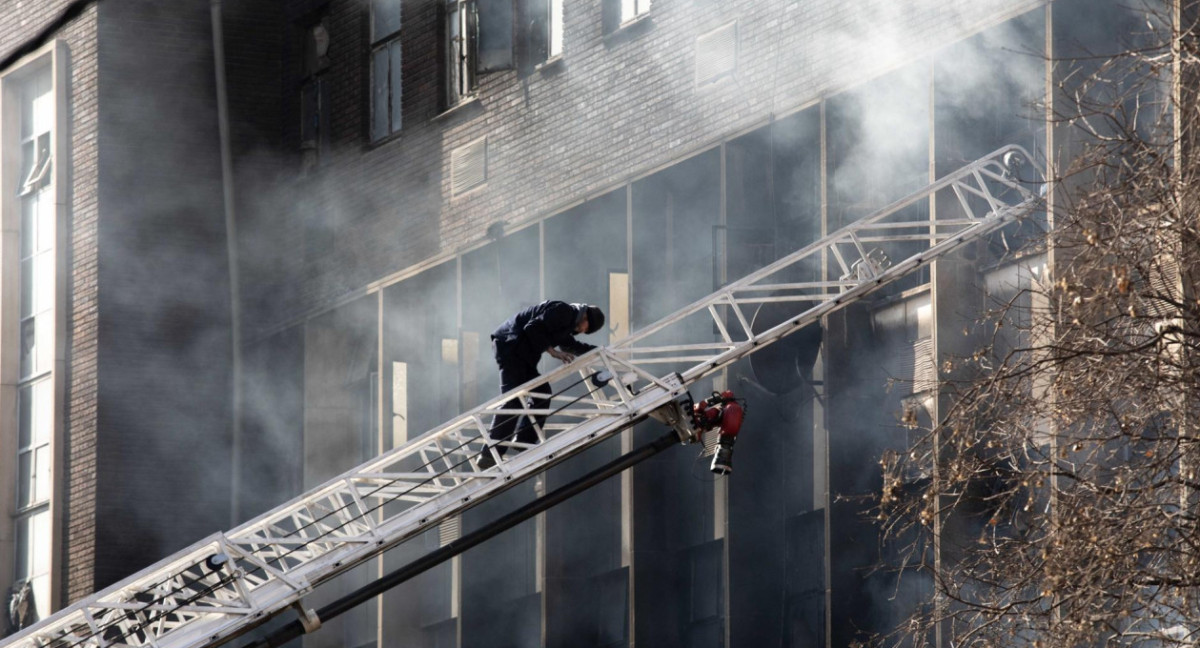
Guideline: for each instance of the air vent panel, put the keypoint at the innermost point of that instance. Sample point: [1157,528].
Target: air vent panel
[716,54]
[468,167]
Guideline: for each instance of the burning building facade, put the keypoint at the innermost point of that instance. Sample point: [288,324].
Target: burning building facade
[408,174]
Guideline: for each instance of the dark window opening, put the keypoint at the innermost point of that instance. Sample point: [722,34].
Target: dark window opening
[495,44]
[314,98]
[386,38]
[544,30]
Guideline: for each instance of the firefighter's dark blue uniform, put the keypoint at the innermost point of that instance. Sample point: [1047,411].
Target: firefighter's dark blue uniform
[518,345]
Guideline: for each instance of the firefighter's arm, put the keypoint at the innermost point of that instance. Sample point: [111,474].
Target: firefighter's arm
[569,344]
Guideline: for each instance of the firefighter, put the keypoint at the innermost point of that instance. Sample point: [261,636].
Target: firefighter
[518,345]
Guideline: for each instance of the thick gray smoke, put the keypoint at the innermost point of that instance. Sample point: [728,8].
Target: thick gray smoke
[970,97]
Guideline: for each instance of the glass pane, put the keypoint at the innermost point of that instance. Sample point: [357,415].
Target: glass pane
[42,104]
[394,49]
[33,545]
[24,479]
[44,353]
[41,596]
[40,550]
[25,408]
[37,284]
[44,214]
[379,93]
[43,282]
[43,411]
[453,53]
[27,281]
[41,474]
[24,549]
[556,27]
[309,113]
[28,161]
[37,105]
[37,344]
[385,18]
[29,222]
[28,348]
[628,9]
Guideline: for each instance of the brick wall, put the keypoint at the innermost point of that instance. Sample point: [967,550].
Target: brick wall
[19,20]
[616,106]
[83,325]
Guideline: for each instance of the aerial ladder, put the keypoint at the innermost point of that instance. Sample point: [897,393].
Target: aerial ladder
[231,582]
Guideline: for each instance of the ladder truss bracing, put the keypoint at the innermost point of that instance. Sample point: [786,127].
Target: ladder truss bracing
[230,582]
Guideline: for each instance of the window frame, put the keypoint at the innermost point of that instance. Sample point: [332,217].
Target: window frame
[392,43]
[42,181]
[460,73]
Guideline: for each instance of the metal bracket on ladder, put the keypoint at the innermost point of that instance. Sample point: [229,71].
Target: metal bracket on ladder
[282,554]
[308,618]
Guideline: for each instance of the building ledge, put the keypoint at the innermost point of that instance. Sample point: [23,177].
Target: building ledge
[469,106]
[629,29]
[552,65]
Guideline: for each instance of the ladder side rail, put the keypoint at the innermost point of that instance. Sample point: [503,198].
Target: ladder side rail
[416,519]
[816,313]
[843,235]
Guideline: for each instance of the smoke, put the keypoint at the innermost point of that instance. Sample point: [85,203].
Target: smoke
[162,290]
[310,237]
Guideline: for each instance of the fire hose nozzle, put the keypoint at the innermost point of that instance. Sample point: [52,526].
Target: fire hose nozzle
[722,461]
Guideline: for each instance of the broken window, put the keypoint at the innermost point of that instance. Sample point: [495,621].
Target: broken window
[495,35]
[544,29]
[460,28]
[385,68]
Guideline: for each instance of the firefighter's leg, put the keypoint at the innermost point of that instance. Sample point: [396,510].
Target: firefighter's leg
[512,375]
[503,426]
[525,432]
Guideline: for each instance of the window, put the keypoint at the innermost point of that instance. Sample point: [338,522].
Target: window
[385,68]
[29,206]
[314,96]
[545,30]
[618,14]
[477,37]
[460,22]
[631,9]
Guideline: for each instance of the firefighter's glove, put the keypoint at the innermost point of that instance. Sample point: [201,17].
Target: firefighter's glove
[561,355]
